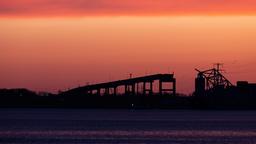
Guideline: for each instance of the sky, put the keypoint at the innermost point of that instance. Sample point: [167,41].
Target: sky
[56,45]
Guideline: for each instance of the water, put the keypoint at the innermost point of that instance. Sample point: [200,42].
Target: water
[126,126]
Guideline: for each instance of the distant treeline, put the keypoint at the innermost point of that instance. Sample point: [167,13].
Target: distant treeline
[211,100]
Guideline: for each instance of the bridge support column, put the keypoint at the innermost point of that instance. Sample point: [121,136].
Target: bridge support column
[151,88]
[174,87]
[130,89]
[133,89]
[106,91]
[89,92]
[171,90]
[148,90]
[115,91]
[98,92]
[126,89]
[160,87]
[144,88]
[137,88]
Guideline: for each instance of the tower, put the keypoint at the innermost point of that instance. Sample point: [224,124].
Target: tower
[200,85]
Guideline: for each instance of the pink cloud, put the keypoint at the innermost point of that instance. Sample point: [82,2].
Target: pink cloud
[124,7]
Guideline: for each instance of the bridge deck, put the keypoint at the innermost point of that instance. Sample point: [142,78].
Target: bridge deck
[129,84]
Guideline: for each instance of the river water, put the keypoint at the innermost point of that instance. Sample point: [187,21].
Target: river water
[18,126]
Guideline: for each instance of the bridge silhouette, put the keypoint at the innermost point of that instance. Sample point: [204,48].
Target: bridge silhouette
[130,86]
[212,90]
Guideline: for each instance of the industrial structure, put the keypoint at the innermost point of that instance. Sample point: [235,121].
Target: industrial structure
[210,79]
[132,86]
[212,83]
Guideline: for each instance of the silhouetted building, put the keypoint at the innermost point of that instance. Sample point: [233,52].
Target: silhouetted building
[246,89]
[199,85]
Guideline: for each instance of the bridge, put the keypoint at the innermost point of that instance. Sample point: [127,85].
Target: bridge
[132,86]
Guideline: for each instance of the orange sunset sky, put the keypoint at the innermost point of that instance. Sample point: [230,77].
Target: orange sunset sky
[51,45]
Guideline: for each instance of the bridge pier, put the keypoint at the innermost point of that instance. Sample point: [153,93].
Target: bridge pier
[160,87]
[145,89]
[172,89]
[130,89]
[115,91]
[106,91]
[99,92]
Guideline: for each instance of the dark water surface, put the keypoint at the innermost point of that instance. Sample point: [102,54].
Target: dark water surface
[126,126]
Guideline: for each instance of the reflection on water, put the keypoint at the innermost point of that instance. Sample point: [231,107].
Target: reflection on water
[126,126]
